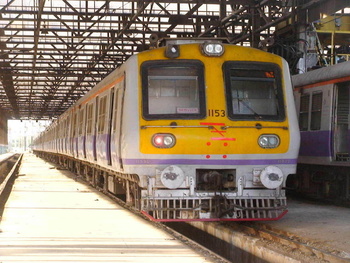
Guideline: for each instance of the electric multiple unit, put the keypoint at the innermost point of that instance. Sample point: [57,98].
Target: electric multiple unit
[322,99]
[189,131]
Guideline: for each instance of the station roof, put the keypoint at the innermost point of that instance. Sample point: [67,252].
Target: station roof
[53,51]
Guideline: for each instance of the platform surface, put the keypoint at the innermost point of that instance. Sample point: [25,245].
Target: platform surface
[5,156]
[50,217]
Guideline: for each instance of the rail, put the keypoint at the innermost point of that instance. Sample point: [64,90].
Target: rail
[5,183]
[259,242]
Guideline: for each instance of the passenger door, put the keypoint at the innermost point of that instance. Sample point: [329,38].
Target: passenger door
[341,123]
[82,132]
[117,123]
[102,136]
[90,131]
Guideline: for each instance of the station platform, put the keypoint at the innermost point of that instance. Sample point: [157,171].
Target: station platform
[5,156]
[50,217]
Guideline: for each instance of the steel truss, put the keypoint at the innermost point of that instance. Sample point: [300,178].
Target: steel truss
[53,51]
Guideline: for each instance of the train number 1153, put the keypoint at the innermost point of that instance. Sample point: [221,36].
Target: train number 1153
[216,113]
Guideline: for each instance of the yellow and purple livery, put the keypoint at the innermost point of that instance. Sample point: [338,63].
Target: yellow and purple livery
[193,130]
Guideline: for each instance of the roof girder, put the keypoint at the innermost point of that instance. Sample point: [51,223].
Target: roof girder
[60,49]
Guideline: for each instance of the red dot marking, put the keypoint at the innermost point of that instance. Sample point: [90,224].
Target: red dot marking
[208,143]
[225,144]
[224,156]
[208,156]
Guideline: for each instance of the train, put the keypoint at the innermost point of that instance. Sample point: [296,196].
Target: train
[192,130]
[322,102]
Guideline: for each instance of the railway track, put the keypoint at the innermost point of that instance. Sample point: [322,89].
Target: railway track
[295,245]
[9,165]
[255,242]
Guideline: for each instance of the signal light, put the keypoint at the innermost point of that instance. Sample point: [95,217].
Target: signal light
[163,140]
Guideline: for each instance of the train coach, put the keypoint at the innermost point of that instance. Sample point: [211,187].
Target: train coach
[322,101]
[192,130]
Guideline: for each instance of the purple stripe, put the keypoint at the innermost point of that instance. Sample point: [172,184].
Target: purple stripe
[207,162]
[315,143]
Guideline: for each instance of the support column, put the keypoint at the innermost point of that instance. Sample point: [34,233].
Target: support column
[3,133]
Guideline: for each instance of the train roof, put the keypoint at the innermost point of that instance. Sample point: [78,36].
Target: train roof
[337,71]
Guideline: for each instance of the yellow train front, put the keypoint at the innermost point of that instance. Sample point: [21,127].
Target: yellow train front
[217,133]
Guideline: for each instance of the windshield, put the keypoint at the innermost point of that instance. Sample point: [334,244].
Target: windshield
[173,90]
[253,91]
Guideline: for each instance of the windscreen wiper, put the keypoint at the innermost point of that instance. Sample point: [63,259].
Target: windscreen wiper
[257,115]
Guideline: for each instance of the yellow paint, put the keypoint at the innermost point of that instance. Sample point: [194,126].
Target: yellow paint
[200,140]
[334,23]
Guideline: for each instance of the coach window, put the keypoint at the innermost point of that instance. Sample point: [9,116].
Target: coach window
[102,115]
[115,113]
[89,118]
[254,91]
[74,124]
[173,90]
[316,111]
[67,127]
[81,122]
[304,112]
[64,128]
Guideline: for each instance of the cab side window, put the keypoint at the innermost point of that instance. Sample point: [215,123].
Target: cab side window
[310,111]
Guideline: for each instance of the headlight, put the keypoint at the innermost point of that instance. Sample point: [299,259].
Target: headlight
[212,49]
[172,51]
[269,141]
[163,140]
